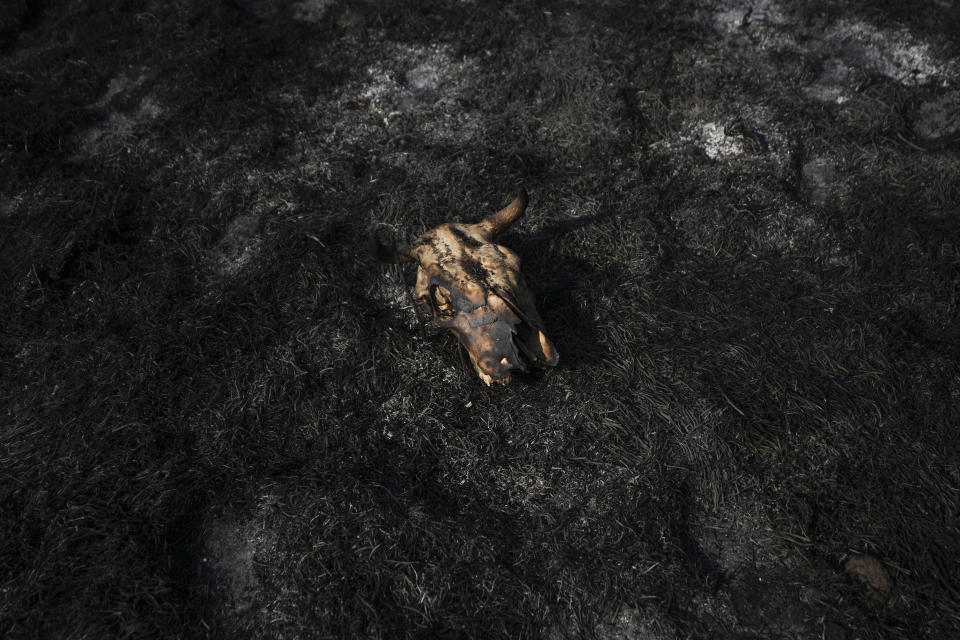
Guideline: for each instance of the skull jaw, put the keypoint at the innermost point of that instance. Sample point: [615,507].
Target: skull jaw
[492,377]
[489,328]
[487,334]
[489,380]
[493,360]
[497,366]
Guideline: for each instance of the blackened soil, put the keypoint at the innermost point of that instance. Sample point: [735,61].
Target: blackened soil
[220,418]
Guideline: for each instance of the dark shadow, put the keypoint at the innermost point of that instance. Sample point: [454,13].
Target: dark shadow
[708,570]
[563,285]
[23,16]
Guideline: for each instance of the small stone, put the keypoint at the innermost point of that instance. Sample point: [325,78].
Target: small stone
[871,573]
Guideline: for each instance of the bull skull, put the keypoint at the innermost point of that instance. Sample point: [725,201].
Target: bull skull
[474,288]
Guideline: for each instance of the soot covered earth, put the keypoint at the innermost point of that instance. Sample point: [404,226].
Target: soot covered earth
[219,416]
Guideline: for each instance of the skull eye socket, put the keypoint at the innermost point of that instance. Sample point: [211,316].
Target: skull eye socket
[442,302]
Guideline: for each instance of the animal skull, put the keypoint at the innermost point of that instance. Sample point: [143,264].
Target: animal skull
[474,288]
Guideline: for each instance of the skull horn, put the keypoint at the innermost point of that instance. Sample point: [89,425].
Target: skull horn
[495,224]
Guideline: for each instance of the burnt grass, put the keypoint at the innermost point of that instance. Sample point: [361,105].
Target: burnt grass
[219,416]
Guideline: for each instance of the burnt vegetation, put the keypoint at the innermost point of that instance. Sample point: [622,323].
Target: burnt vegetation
[219,416]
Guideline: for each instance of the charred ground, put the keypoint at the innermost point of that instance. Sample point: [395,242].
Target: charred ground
[219,418]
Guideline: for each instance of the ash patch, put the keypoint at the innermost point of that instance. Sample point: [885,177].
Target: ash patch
[427,83]
[851,49]
[716,144]
[750,134]
[766,34]
[894,53]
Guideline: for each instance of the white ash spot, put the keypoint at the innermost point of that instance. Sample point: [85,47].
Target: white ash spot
[751,134]
[715,142]
[939,118]
[311,10]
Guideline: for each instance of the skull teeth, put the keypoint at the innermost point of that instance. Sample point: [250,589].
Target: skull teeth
[490,380]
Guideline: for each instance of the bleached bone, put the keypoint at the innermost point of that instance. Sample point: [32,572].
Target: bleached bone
[474,288]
